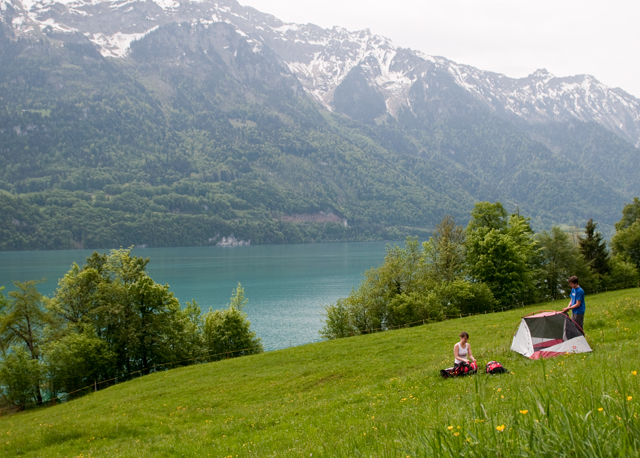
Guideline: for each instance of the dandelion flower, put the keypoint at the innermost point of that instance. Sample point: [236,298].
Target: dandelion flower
[629,398]
[600,409]
[634,372]
[450,428]
[456,434]
[500,428]
[524,412]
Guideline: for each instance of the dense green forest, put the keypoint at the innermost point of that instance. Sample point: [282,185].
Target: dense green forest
[194,137]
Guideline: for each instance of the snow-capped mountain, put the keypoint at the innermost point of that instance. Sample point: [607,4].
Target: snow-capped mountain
[321,58]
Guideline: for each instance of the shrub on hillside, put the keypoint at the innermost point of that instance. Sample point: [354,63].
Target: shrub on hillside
[227,332]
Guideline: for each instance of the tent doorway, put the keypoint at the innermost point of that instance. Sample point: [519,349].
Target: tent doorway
[548,334]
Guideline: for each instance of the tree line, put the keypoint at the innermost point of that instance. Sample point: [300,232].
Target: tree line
[105,321]
[497,262]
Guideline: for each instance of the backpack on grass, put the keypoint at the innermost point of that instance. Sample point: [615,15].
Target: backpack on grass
[494,367]
[460,370]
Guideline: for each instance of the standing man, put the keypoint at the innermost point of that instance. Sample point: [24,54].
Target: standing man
[576,305]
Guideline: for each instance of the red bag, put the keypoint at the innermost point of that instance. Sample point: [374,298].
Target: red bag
[460,370]
[494,367]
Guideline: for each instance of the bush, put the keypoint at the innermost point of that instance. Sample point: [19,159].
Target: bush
[337,322]
[228,331]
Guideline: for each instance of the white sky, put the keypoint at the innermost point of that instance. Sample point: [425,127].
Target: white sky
[514,37]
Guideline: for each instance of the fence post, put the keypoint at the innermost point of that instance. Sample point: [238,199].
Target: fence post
[95,385]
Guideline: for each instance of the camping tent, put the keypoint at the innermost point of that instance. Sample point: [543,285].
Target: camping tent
[547,334]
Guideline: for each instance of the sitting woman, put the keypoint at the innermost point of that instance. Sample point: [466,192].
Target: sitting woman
[462,350]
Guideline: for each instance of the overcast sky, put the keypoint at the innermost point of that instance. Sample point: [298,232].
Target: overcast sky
[514,37]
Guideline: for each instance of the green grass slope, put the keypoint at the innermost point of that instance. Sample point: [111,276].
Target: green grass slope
[373,395]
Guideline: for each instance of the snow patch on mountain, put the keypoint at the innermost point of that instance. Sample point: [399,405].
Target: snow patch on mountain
[167,4]
[118,44]
[322,58]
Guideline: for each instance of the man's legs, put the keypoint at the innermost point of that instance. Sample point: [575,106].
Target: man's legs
[579,319]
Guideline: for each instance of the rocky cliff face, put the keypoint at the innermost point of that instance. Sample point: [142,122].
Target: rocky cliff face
[377,76]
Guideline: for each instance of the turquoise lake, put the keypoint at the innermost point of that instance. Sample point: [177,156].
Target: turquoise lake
[287,285]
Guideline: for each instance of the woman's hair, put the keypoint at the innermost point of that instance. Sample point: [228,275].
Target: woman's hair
[464,334]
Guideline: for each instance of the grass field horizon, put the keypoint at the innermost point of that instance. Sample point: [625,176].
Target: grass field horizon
[372,395]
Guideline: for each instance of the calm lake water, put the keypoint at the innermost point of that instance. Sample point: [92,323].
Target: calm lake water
[287,285]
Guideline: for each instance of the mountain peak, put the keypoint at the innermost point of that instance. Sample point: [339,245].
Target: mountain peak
[322,58]
[542,73]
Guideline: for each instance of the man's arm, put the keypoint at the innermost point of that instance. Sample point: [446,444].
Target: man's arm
[571,307]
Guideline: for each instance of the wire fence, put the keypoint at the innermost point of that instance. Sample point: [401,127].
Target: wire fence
[98,385]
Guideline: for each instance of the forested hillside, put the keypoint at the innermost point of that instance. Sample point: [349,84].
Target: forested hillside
[196,136]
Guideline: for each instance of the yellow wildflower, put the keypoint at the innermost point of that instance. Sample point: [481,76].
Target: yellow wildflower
[524,412]
[450,428]
[500,428]
[629,398]
[456,434]
[634,372]
[600,409]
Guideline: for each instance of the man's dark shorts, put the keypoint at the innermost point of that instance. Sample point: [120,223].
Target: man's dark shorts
[579,319]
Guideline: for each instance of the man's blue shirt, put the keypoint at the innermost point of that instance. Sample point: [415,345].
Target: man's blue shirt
[577,294]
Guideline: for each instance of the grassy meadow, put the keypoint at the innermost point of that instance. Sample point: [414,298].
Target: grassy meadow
[375,395]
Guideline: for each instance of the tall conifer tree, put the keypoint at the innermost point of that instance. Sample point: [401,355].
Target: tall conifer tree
[594,248]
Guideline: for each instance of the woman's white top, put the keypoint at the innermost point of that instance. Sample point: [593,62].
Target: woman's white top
[461,351]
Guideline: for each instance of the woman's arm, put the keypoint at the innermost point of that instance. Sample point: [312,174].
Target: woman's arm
[470,354]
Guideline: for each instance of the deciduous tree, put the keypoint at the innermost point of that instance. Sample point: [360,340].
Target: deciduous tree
[22,323]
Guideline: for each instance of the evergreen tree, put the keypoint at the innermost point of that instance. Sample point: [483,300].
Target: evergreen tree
[594,249]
